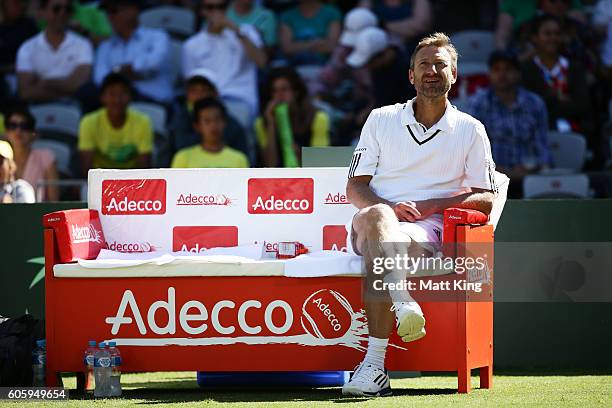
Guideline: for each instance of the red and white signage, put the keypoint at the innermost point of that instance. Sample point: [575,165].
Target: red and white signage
[280,196]
[200,238]
[334,237]
[194,209]
[134,197]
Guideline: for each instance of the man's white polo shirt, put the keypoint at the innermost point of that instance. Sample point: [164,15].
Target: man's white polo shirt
[38,57]
[225,56]
[409,162]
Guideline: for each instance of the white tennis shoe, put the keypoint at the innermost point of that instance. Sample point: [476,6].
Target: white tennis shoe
[368,381]
[410,321]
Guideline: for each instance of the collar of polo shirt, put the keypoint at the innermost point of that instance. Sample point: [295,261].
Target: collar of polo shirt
[445,124]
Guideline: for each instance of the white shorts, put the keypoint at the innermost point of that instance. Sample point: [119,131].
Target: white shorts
[427,231]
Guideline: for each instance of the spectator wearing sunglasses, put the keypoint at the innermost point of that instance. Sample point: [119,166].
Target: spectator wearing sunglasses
[34,165]
[230,51]
[138,53]
[56,63]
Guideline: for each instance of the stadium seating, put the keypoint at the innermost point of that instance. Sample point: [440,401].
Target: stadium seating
[474,45]
[178,21]
[155,112]
[57,118]
[161,142]
[568,150]
[556,186]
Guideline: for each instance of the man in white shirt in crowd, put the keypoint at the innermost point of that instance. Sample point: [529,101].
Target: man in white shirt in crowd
[231,52]
[55,63]
[413,161]
[138,53]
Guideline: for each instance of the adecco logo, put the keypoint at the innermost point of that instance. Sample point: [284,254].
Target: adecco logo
[334,238]
[280,196]
[85,233]
[200,238]
[325,317]
[131,246]
[338,198]
[134,197]
[203,199]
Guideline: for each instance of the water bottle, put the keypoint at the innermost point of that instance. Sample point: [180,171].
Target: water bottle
[102,371]
[39,360]
[88,361]
[115,379]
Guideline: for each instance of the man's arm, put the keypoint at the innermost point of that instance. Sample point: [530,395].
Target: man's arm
[359,193]
[478,199]
[69,85]
[86,157]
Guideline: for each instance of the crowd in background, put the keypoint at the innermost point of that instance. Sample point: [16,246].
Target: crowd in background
[256,81]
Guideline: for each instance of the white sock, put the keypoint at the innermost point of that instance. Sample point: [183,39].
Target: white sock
[376,352]
[398,295]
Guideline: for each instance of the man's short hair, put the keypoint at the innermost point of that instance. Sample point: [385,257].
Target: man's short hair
[115,78]
[201,80]
[208,103]
[436,40]
[111,6]
[537,22]
[504,56]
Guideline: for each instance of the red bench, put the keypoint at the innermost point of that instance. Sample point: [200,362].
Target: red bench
[260,323]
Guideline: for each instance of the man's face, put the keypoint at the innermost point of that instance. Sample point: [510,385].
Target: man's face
[212,9]
[196,92]
[433,73]
[210,125]
[504,76]
[124,19]
[548,38]
[58,13]
[116,98]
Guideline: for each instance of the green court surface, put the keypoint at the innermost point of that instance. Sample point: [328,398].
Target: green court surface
[179,389]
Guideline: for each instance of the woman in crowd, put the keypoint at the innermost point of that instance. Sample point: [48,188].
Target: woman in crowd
[34,165]
[289,122]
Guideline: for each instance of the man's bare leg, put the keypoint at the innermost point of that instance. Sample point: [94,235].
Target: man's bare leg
[377,235]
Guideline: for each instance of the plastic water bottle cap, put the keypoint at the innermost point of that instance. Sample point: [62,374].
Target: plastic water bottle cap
[92,343]
[40,343]
[112,344]
[102,345]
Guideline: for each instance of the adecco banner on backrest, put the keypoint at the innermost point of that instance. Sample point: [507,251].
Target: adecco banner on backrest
[195,209]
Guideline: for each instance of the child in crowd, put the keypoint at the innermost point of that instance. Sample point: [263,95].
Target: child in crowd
[209,121]
[115,136]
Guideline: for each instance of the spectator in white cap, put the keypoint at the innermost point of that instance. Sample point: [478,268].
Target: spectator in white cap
[200,85]
[378,74]
[368,43]
[330,75]
[11,190]
[355,21]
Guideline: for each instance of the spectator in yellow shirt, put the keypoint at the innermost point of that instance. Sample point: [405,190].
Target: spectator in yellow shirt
[115,136]
[209,120]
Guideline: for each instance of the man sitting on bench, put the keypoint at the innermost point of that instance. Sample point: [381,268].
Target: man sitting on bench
[413,161]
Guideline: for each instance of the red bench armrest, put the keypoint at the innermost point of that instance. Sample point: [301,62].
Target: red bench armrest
[460,216]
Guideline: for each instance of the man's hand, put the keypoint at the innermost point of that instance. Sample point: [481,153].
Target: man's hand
[412,211]
[406,211]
